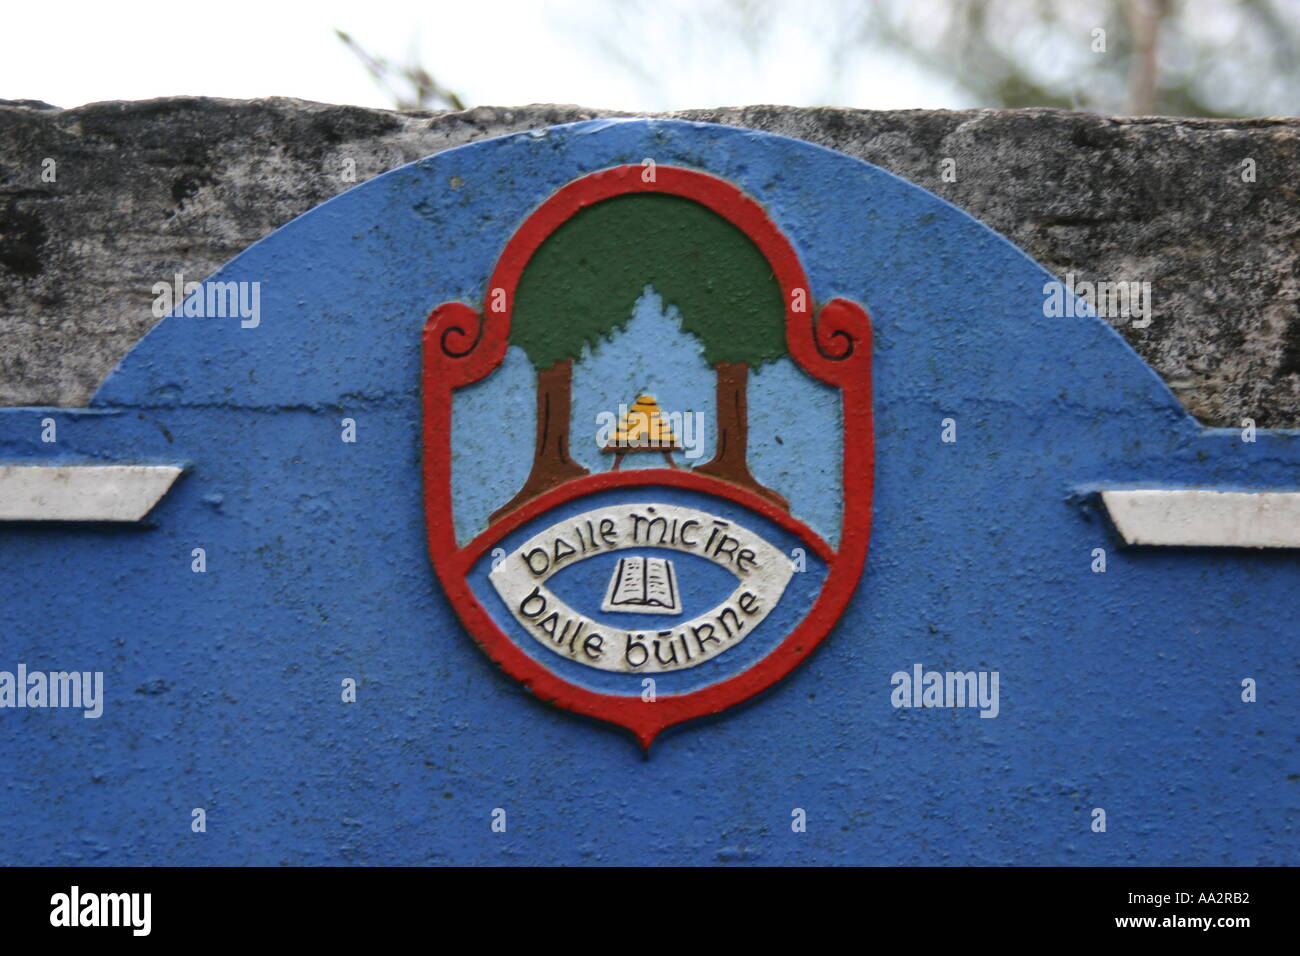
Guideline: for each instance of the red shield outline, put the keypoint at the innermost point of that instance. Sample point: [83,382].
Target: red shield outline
[833,344]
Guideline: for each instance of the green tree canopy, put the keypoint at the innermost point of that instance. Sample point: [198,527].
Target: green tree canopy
[585,279]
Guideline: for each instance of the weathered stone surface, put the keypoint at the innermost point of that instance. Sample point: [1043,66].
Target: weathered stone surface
[145,190]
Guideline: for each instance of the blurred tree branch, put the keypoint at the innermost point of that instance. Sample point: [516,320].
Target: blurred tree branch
[1176,57]
[410,86]
[1217,58]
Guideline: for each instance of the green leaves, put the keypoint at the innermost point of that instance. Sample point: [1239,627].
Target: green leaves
[583,282]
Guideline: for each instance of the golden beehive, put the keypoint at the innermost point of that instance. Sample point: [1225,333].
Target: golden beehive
[645,425]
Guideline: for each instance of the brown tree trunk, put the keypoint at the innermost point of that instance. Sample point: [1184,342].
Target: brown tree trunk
[730,458]
[552,465]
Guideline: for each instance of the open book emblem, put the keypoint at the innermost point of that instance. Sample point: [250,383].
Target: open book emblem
[643,586]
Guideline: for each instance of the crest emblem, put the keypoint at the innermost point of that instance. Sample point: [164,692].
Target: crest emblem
[598,558]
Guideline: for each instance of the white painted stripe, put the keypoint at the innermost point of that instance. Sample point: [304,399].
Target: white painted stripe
[82,492]
[1192,517]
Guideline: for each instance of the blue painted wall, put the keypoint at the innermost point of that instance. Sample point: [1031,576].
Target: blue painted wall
[1118,690]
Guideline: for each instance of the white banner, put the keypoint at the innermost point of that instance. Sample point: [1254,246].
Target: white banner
[762,571]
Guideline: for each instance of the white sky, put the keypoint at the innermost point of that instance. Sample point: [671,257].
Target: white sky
[492,52]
